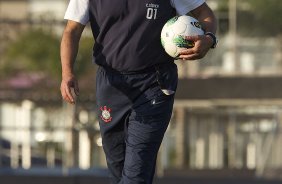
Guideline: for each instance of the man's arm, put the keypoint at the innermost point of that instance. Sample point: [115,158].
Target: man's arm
[206,17]
[69,49]
[203,42]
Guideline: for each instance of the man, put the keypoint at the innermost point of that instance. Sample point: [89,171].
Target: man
[136,79]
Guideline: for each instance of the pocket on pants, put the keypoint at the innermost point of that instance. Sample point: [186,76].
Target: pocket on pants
[167,78]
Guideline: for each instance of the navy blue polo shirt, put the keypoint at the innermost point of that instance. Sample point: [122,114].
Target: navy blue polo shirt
[127,32]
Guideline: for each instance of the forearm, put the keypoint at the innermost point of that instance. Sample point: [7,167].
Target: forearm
[206,17]
[69,49]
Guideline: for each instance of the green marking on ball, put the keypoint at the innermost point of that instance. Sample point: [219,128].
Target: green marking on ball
[172,21]
[180,41]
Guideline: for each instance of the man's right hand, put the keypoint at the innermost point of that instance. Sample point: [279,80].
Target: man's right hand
[69,88]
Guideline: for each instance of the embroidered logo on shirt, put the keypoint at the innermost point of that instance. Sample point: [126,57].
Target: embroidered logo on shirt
[106,114]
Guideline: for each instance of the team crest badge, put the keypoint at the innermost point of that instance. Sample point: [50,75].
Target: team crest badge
[106,114]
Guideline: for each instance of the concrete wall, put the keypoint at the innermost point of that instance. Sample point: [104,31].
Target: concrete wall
[15,9]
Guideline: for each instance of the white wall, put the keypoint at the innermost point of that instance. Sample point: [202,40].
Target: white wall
[48,9]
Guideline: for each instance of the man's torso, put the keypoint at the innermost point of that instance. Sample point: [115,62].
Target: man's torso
[127,32]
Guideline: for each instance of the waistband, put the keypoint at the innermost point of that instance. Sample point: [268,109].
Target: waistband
[150,69]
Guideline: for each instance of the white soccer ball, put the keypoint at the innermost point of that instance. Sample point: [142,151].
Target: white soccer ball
[173,32]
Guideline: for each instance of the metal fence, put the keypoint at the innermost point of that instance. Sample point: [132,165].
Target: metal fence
[198,138]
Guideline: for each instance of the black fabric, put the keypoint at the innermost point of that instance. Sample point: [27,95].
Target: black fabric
[127,32]
[133,115]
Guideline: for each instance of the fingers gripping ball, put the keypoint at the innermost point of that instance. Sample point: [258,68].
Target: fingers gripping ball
[174,32]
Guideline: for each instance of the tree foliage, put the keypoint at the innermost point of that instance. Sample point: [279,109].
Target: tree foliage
[36,50]
[33,50]
[269,15]
[254,17]
[263,18]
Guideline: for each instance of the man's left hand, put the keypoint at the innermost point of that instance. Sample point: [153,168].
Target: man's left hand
[202,44]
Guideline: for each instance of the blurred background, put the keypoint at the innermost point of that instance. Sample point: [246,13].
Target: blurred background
[227,120]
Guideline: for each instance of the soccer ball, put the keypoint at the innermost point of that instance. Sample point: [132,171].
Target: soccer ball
[173,32]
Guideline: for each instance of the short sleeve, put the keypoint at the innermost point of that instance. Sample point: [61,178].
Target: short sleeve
[78,11]
[184,6]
